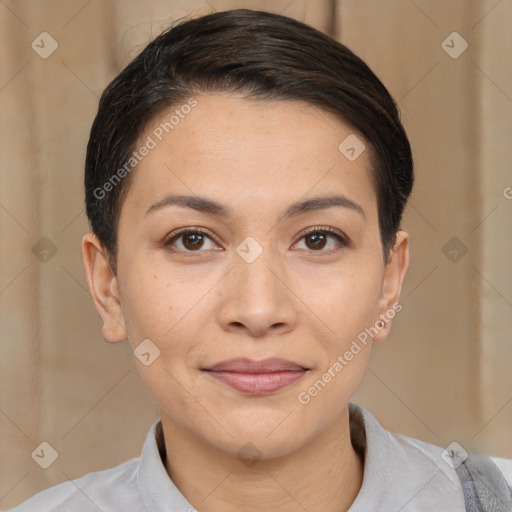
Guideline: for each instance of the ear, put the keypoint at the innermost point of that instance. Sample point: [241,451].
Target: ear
[394,274]
[104,288]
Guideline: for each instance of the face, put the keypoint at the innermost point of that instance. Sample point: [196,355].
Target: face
[259,309]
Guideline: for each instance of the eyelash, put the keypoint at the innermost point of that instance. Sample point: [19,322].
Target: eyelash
[342,241]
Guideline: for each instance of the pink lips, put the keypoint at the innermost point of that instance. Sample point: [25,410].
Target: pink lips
[257,377]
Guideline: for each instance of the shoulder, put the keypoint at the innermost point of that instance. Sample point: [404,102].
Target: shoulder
[107,490]
[505,466]
[449,459]
[421,452]
[482,479]
[400,472]
[405,473]
[403,452]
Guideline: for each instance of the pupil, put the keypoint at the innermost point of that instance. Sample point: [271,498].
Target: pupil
[318,239]
[194,240]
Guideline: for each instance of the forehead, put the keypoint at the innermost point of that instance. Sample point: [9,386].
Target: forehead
[245,149]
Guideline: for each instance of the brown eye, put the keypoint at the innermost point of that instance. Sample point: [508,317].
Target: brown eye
[193,241]
[188,240]
[317,240]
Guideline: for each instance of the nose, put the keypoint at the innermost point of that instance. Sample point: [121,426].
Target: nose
[257,297]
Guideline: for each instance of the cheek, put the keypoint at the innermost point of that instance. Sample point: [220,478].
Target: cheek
[172,312]
[350,316]
[159,309]
[348,307]
[346,302]
[154,302]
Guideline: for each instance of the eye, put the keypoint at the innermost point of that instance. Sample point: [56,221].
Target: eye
[316,239]
[190,240]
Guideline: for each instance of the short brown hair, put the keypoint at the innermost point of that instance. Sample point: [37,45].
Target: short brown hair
[263,56]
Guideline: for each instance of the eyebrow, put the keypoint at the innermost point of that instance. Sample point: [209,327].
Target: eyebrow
[212,207]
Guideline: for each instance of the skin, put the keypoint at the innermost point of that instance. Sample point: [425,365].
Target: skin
[297,300]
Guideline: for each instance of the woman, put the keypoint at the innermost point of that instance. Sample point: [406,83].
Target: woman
[245,181]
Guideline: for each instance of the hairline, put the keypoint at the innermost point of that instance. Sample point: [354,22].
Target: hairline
[251,95]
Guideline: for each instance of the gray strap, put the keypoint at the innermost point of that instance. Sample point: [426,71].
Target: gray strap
[485,488]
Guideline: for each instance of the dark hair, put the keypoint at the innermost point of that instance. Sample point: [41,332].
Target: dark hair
[262,55]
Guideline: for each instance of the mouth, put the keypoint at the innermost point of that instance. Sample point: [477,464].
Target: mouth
[256,377]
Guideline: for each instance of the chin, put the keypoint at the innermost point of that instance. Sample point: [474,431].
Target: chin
[251,446]
[271,436]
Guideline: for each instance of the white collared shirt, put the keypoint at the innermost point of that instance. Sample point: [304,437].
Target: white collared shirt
[401,474]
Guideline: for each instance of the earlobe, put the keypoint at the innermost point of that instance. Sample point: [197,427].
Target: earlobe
[104,288]
[394,274]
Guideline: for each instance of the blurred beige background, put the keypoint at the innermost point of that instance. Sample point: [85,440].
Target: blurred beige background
[443,374]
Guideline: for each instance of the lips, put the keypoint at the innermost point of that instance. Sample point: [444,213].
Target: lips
[256,377]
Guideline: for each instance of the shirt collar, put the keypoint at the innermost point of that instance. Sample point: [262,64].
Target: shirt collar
[158,491]
[400,473]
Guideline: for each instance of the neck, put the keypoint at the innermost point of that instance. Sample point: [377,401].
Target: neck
[325,474]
